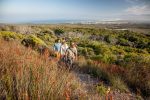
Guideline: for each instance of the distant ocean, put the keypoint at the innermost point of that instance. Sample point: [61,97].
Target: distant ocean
[56,21]
[70,21]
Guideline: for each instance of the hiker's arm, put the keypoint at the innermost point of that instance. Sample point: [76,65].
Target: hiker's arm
[76,54]
[66,53]
[54,47]
[61,50]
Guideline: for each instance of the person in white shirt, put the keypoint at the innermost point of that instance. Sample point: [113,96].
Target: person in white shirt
[63,49]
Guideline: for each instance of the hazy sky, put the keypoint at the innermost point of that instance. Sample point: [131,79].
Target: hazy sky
[30,10]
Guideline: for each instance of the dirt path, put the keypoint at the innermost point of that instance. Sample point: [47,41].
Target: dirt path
[89,84]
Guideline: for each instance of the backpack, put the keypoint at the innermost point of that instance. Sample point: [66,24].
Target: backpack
[74,53]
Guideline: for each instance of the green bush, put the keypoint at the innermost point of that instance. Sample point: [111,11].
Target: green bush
[111,39]
[82,51]
[97,57]
[47,38]
[130,57]
[117,50]
[43,36]
[33,41]
[10,35]
[106,58]
[137,58]
[134,40]
[99,47]
[58,31]
[124,42]
[129,49]
[141,44]
[101,89]
[86,51]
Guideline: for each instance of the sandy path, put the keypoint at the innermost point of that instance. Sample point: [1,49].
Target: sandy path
[89,83]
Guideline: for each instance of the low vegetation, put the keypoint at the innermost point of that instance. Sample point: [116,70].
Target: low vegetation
[24,74]
[7,35]
[120,58]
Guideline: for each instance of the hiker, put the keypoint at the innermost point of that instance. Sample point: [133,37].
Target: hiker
[71,53]
[57,47]
[63,49]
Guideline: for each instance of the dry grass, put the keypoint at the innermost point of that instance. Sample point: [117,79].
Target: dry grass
[136,76]
[24,74]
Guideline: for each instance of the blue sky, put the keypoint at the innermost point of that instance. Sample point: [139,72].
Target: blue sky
[30,10]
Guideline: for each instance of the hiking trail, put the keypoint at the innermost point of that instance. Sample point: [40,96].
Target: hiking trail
[89,84]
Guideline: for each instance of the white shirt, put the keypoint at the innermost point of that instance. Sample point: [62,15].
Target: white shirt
[64,47]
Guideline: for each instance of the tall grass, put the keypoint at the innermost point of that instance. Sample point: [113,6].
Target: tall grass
[136,76]
[24,74]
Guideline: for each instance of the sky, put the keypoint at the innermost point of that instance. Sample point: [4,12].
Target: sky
[36,10]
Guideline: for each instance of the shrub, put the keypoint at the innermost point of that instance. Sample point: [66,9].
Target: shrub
[141,44]
[33,41]
[44,37]
[106,58]
[137,40]
[117,50]
[10,35]
[101,89]
[58,31]
[88,52]
[98,47]
[47,38]
[124,42]
[119,84]
[138,77]
[97,57]
[129,49]
[111,39]
[137,58]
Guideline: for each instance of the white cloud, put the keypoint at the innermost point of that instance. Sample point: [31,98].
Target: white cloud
[138,10]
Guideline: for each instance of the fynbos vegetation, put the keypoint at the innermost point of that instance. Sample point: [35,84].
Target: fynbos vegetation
[121,59]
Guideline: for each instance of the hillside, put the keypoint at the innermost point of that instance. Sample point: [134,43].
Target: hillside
[115,59]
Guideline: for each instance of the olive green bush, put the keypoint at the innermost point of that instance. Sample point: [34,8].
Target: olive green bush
[7,35]
[33,41]
[58,31]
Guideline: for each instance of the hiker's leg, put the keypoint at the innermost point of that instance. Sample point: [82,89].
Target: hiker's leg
[68,62]
[63,58]
[58,56]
